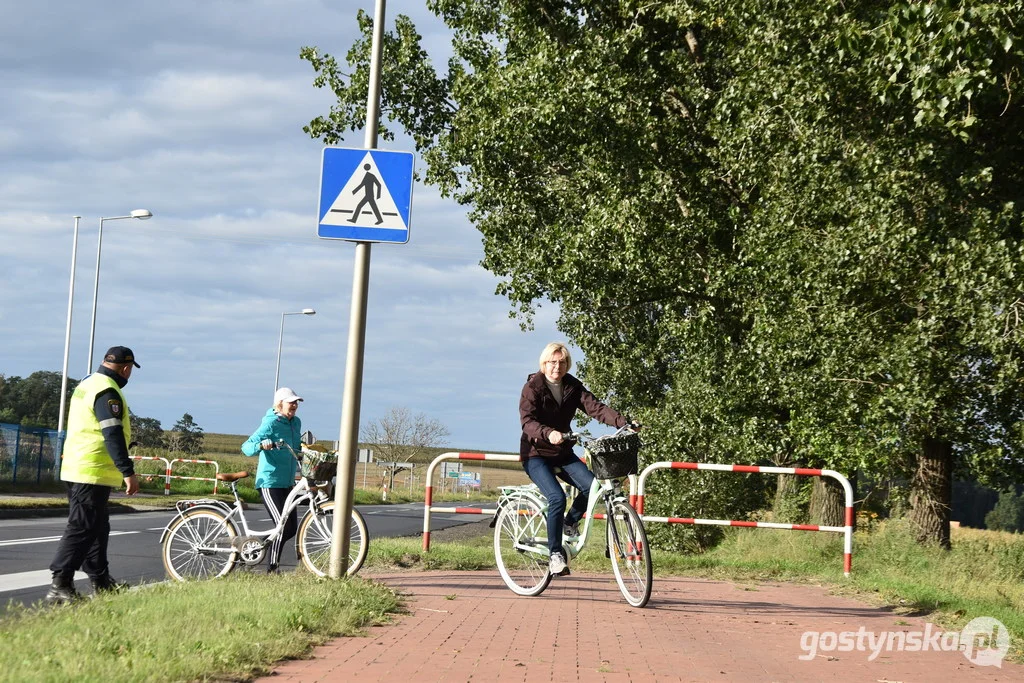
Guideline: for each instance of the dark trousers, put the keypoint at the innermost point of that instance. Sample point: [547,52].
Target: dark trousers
[84,543]
[273,501]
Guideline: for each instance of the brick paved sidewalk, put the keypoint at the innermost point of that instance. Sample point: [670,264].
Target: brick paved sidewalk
[467,626]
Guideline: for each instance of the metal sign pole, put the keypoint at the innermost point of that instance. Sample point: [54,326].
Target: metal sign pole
[67,347]
[345,493]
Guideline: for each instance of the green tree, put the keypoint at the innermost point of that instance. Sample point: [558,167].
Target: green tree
[781,233]
[32,401]
[147,432]
[185,436]
[1008,514]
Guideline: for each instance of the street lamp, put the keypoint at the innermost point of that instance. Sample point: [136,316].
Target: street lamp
[141,214]
[280,339]
[67,338]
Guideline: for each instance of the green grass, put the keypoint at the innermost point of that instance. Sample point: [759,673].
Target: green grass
[229,629]
[239,626]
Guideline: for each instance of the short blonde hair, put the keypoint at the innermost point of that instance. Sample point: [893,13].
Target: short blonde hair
[553,348]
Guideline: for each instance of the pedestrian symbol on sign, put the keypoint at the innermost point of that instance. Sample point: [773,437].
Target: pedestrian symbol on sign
[369,184]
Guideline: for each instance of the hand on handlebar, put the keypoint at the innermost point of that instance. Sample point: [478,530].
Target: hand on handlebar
[267,445]
[556,437]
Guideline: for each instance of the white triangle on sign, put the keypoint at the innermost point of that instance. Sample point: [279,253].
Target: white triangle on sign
[360,192]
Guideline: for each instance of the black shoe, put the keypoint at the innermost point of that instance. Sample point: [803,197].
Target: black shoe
[62,591]
[272,569]
[107,584]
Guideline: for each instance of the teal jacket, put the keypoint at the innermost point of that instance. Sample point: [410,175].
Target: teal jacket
[278,467]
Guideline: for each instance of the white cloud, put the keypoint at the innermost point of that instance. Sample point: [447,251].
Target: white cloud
[194,110]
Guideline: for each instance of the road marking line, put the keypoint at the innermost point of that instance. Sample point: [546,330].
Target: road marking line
[22,580]
[51,539]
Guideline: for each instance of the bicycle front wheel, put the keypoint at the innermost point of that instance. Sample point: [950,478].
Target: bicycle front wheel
[313,543]
[198,545]
[520,547]
[630,553]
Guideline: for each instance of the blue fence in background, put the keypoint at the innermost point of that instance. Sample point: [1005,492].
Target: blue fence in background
[28,454]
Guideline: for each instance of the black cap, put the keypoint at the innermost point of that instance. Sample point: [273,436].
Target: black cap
[120,354]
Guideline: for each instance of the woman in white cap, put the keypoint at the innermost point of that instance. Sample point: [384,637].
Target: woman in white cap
[275,474]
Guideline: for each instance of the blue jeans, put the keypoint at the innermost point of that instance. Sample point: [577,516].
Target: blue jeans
[542,473]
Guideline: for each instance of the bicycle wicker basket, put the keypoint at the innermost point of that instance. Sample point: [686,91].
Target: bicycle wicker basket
[612,457]
[319,466]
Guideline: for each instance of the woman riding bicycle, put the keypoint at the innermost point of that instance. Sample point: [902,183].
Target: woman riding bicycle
[547,406]
[275,474]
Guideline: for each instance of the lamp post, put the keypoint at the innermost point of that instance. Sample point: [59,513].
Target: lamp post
[280,339]
[141,214]
[67,340]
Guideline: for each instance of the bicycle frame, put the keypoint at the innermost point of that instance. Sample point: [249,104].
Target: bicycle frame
[603,489]
[235,514]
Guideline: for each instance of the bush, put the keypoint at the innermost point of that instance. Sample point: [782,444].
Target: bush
[1008,514]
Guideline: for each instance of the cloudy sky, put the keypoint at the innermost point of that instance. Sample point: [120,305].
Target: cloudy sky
[194,111]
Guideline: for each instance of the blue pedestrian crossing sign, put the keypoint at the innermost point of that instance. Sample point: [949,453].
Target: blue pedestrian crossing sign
[365,195]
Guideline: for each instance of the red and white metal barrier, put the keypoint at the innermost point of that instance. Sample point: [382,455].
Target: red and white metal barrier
[847,530]
[428,505]
[169,465]
[216,471]
[167,470]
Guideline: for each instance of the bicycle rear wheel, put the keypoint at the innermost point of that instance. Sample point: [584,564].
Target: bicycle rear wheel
[313,543]
[198,545]
[520,547]
[630,553]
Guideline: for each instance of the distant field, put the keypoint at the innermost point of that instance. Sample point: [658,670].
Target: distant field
[225,450]
[231,444]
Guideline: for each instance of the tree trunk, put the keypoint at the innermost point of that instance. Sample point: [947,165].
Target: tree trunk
[828,503]
[931,492]
[786,509]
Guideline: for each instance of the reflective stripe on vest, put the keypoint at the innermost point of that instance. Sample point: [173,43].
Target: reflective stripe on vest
[85,459]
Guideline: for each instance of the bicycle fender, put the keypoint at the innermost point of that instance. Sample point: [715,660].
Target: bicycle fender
[213,505]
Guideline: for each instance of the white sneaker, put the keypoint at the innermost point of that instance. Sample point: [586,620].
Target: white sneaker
[558,566]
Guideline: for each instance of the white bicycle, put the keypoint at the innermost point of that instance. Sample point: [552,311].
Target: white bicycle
[208,537]
[520,524]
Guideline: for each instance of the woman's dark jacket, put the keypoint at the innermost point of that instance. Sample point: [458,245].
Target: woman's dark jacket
[540,415]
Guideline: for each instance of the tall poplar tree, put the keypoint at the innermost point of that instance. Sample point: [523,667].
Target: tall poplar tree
[780,231]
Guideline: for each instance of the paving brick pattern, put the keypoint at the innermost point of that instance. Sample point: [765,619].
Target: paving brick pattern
[468,627]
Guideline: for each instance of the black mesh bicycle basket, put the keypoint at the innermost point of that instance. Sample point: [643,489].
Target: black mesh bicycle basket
[319,466]
[612,457]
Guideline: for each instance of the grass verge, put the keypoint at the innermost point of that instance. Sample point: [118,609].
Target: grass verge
[229,629]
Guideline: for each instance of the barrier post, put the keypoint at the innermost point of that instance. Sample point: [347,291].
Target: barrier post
[170,465]
[428,502]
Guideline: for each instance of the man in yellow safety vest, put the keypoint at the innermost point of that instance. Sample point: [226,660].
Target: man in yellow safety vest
[94,462]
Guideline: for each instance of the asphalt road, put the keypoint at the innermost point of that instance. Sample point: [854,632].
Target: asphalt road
[27,545]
